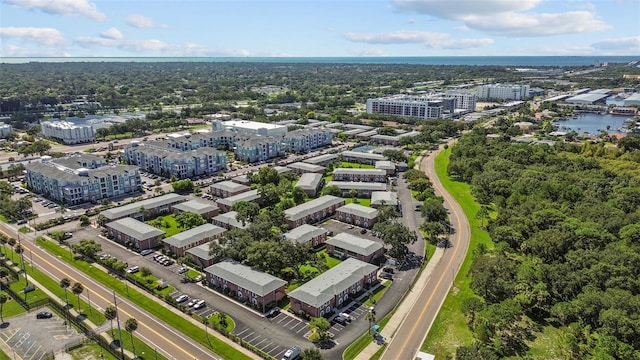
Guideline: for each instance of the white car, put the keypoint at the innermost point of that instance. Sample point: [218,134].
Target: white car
[199,304]
[182,298]
[193,302]
[347,316]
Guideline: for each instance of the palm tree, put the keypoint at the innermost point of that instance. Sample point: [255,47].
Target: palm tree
[3,299]
[131,325]
[78,289]
[371,317]
[110,314]
[65,283]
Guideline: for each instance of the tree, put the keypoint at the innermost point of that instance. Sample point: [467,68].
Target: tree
[65,283]
[353,193]
[188,220]
[269,195]
[246,211]
[88,248]
[482,215]
[3,299]
[110,314]
[395,155]
[433,230]
[311,354]
[319,326]
[131,325]
[434,210]
[145,271]
[266,175]
[77,289]
[183,186]
[398,236]
[299,196]
[371,318]
[84,220]
[332,190]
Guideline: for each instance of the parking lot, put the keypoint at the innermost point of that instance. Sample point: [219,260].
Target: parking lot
[340,227]
[265,343]
[35,339]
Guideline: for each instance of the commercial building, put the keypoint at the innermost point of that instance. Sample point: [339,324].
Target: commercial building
[632,100]
[307,234]
[246,284]
[302,167]
[503,92]
[250,127]
[343,246]
[229,221]
[81,178]
[160,157]
[227,188]
[364,189]
[179,243]
[259,149]
[133,233]
[204,209]
[68,132]
[305,140]
[225,204]
[357,215]
[333,289]
[313,211]
[5,129]
[310,183]
[588,98]
[379,198]
[363,175]
[145,209]
[361,157]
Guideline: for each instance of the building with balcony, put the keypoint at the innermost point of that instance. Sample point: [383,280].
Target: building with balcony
[225,204]
[313,211]
[357,215]
[503,92]
[305,140]
[258,149]
[302,167]
[227,188]
[310,183]
[205,209]
[145,209]
[363,189]
[67,132]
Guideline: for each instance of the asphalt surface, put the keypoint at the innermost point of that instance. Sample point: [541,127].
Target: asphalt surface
[411,334]
[154,332]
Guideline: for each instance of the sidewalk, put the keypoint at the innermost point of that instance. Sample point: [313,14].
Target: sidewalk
[407,303]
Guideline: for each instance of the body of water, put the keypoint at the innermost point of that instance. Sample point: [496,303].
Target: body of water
[532,61]
[593,123]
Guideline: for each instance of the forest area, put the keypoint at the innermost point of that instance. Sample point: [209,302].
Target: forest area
[565,224]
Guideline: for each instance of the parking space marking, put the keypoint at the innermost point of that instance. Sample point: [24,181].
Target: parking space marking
[284,317]
[242,332]
[258,344]
[250,334]
[258,336]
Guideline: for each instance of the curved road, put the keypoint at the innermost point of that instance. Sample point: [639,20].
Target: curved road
[409,337]
[171,343]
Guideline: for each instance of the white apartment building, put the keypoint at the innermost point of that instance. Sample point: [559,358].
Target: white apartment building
[503,92]
[250,127]
[406,106]
[5,129]
[68,132]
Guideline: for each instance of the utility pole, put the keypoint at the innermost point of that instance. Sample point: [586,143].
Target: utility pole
[115,303]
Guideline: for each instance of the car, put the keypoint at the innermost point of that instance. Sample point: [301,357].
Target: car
[273,312]
[167,262]
[197,278]
[67,235]
[386,276]
[350,227]
[182,298]
[347,316]
[133,270]
[200,304]
[192,302]
[146,252]
[292,353]
[183,269]
[22,221]
[340,320]
[44,315]
[388,270]
[363,231]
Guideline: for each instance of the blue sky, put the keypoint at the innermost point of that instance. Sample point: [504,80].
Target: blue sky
[332,28]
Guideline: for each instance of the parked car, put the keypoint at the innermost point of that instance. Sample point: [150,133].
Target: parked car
[192,302]
[347,316]
[363,231]
[146,252]
[388,270]
[197,278]
[341,320]
[273,312]
[386,276]
[183,269]
[44,315]
[182,298]
[200,304]
[133,270]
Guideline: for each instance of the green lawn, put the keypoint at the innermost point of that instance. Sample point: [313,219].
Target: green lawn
[11,308]
[142,349]
[330,261]
[215,320]
[363,341]
[345,164]
[360,201]
[90,351]
[25,230]
[4,218]
[380,290]
[450,329]
[175,320]
[167,224]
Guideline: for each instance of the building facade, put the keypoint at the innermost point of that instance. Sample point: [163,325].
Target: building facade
[357,215]
[305,140]
[343,246]
[227,188]
[307,234]
[5,129]
[145,209]
[503,92]
[258,149]
[310,183]
[179,243]
[134,234]
[313,211]
[363,189]
[68,132]
[250,127]
[361,175]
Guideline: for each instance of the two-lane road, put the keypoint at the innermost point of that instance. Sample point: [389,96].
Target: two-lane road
[409,337]
[154,332]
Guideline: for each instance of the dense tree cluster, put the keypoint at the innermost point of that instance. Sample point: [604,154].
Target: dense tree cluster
[567,248]
[10,208]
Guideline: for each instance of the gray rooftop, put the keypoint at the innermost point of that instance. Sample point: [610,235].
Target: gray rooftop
[358,185]
[334,281]
[134,208]
[346,171]
[385,164]
[359,210]
[134,228]
[353,131]
[590,97]
[194,235]
[281,169]
[230,186]
[201,251]
[363,155]
[304,233]
[389,198]
[230,219]
[354,244]
[253,280]
[310,207]
[306,167]
[395,137]
[196,206]
[321,159]
[309,181]
[251,195]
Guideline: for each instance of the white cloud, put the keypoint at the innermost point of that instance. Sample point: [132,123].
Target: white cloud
[506,17]
[630,45]
[113,34]
[368,52]
[44,36]
[158,47]
[62,7]
[143,22]
[17,51]
[433,40]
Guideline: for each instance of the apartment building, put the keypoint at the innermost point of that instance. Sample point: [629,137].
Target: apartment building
[246,284]
[393,140]
[302,167]
[179,243]
[343,246]
[363,189]
[205,209]
[310,183]
[313,211]
[225,204]
[68,132]
[305,140]
[5,129]
[334,288]
[380,198]
[503,92]
[229,221]
[361,175]
[201,256]
[145,209]
[134,234]
[258,149]
[386,165]
[161,158]
[227,188]
[357,215]
[361,157]
[307,234]
[406,106]
[81,178]
[322,160]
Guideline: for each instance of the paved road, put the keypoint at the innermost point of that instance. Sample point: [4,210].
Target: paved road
[157,334]
[409,337]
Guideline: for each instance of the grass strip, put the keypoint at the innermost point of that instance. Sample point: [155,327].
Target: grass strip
[143,350]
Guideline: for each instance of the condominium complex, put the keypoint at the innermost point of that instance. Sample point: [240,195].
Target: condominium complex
[5,129]
[430,106]
[160,157]
[305,140]
[68,132]
[503,92]
[82,178]
[259,149]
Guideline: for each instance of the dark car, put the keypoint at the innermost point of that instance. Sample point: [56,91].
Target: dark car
[386,276]
[273,312]
[44,315]
[363,231]
[341,320]
[388,270]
